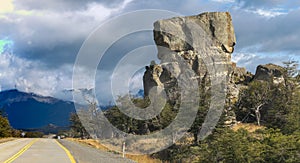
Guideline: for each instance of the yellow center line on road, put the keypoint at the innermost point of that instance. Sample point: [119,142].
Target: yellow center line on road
[67,152]
[11,159]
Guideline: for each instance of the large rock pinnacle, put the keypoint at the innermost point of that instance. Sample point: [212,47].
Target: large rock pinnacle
[203,42]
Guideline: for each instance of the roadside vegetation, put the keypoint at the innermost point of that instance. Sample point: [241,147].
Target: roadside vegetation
[5,128]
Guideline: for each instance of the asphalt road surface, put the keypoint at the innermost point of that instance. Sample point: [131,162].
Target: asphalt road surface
[52,151]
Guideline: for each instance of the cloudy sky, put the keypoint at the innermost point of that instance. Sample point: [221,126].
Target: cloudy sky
[39,40]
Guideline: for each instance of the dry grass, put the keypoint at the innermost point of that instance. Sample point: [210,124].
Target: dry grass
[96,144]
[143,159]
[187,139]
[90,142]
[3,140]
[247,126]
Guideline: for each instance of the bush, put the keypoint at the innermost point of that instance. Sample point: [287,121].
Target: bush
[5,129]
[34,134]
[226,145]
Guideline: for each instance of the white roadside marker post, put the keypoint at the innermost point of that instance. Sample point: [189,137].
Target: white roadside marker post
[123,149]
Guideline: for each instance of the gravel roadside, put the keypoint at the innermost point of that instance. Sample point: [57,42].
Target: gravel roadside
[86,154]
[4,140]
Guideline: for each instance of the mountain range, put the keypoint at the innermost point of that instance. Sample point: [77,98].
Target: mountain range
[29,111]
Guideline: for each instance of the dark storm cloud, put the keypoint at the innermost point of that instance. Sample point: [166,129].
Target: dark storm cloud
[57,55]
[50,36]
[35,40]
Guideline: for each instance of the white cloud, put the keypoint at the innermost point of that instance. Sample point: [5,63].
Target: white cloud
[251,60]
[267,8]
[100,12]
[269,13]
[136,82]
[29,77]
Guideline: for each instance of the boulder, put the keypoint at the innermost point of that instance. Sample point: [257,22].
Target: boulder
[271,73]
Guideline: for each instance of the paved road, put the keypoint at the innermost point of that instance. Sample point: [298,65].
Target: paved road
[51,151]
[34,151]
[10,148]
[87,154]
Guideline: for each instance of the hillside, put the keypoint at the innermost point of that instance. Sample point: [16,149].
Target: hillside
[32,111]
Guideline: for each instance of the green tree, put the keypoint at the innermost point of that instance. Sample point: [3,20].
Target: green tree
[16,133]
[5,128]
[293,115]
[134,126]
[253,101]
[226,145]
[291,68]
[264,103]
[204,102]
[279,147]
[292,89]
[77,129]
[34,134]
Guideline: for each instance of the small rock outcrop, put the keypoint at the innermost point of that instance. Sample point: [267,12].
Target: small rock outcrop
[240,75]
[271,73]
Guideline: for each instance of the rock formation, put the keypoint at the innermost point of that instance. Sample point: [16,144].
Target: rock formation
[205,43]
[270,72]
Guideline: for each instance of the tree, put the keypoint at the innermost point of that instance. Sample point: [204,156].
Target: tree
[77,128]
[253,100]
[291,68]
[293,115]
[5,128]
[204,103]
[16,133]
[34,134]
[264,102]
[226,145]
[135,126]
[292,77]
[292,89]
[279,147]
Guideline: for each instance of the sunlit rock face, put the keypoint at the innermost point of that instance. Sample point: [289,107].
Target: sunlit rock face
[271,73]
[204,43]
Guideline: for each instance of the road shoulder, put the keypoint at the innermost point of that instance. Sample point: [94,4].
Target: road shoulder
[87,154]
